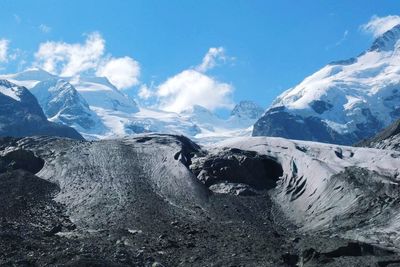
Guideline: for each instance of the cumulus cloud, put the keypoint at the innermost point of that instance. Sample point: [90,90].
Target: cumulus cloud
[122,72]
[67,59]
[44,28]
[4,43]
[70,59]
[191,87]
[379,25]
[212,58]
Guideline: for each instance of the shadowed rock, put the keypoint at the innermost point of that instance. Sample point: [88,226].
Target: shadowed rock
[237,166]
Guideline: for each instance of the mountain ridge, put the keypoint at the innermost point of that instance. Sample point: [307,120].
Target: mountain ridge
[21,115]
[346,101]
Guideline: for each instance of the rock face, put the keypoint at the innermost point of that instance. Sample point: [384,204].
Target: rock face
[21,115]
[344,102]
[389,138]
[278,122]
[141,201]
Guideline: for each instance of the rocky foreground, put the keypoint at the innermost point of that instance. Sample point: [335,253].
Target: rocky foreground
[162,200]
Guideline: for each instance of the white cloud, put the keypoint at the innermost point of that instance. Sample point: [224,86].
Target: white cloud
[67,59]
[71,59]
[191,87]
[122,72]
[212,58]
[44,28]
[4,43]
[379,25]
[144,92]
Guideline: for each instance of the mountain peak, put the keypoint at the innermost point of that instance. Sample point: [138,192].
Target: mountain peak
[387,40]
[33,74]
[247,109]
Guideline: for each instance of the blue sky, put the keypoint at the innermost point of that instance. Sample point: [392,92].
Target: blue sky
[268,46]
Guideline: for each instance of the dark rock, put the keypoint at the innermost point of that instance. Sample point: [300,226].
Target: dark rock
[320,106]
[352,249]
[54,230]
[107,188]
[21,159]
[280,123]
[237,166]
[290,259]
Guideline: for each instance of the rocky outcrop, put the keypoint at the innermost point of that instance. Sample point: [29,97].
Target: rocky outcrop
[235,170]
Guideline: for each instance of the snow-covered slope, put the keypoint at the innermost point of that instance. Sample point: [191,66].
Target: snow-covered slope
[100,93]
[213,128]
[343,102]
[347,191]
[62,103]
[21,115]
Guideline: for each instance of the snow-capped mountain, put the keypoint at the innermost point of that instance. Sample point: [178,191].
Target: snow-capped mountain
[62,103]
[97,91]
[29,77]
[21,115]
[247,110]
[343,102]
[92,105]
[97,109]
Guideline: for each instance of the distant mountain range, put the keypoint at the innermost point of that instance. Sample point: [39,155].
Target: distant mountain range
[388,138]
[97,110]
[344,102]
[21,115]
